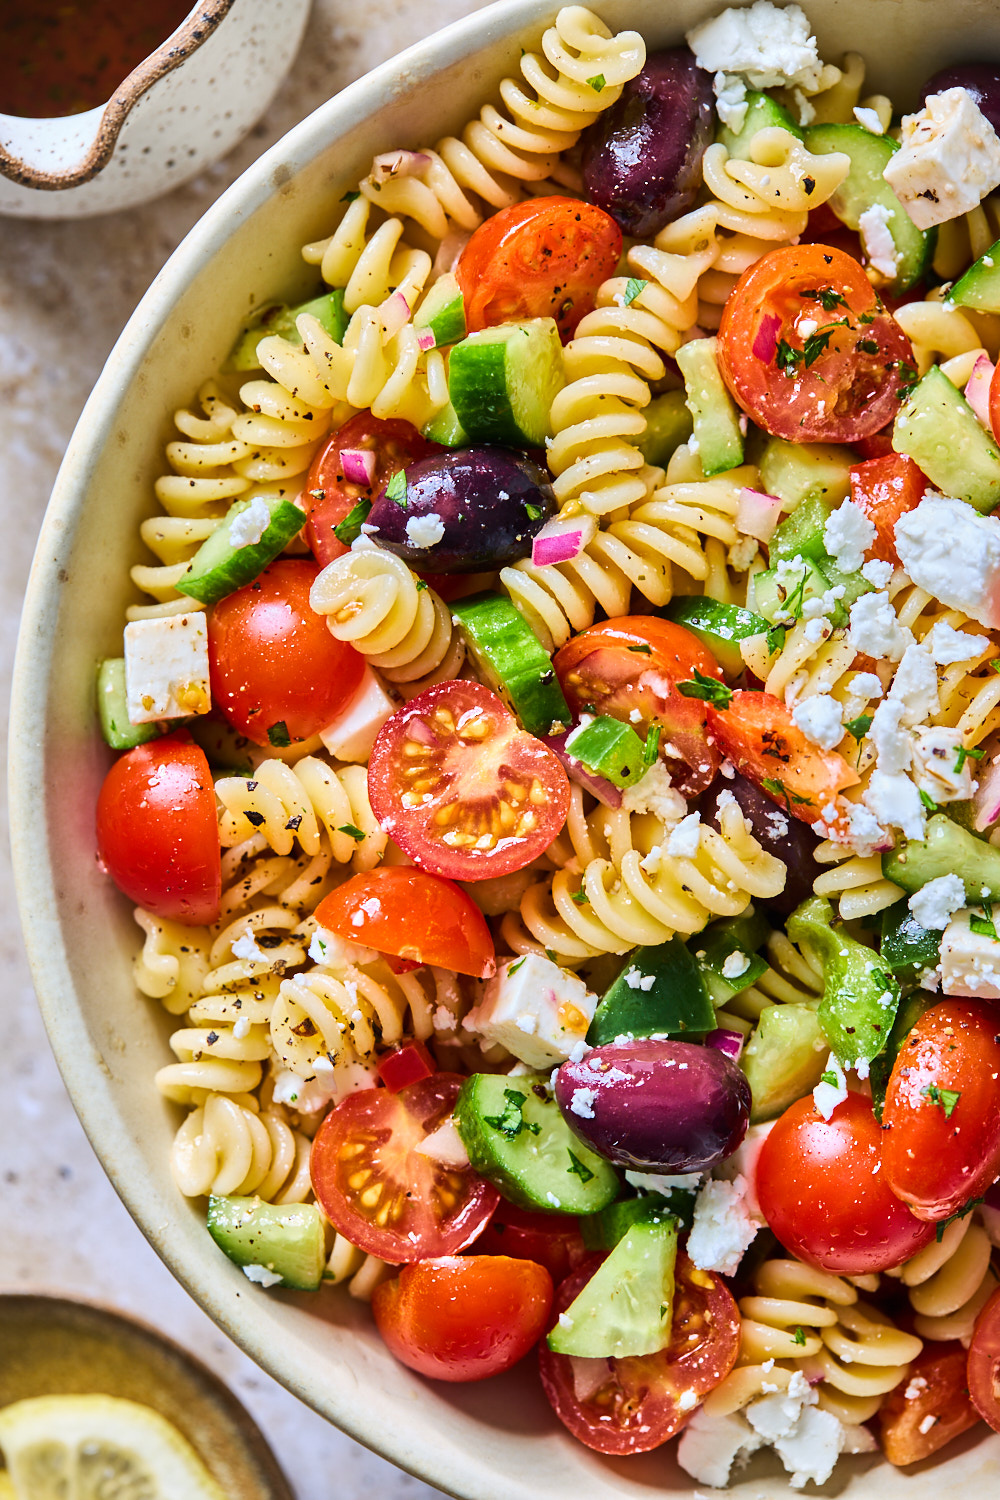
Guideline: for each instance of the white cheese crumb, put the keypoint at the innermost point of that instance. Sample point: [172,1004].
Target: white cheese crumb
[730,100]
[927,1423]
[767,45]
[723,1227]
[736,963]
[241,1028]
[685,838]
[262,1275]
[246,947]
[425,531]
[869,119]
[639,981]
[821,720]
[866,685]
[826,1096]
[895,802]
[877,241]
[877,573]
[847,535]
[654,794]
[934,905]
[939,767]
[953,552]
[248,526]
[875,629]
[582,1103]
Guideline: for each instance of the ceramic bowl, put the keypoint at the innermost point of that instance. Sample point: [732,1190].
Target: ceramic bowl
[495,1441]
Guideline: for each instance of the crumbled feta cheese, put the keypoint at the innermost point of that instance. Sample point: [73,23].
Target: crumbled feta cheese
[826,1095]
[948,645]
[246,947]
[877,573]
[241,1028]
[652,861]
[535,1009]
[659,1182]
[948,159]
[766,45]
[915,686]
[777,823]
[858,828]
[445,1145]
[953,552]
[934,905]
[875,629]
[892,744]
[730,100]
[736,963]
[847,535]
[866,685]
[916,1385]
[262,1275]
[353,732]
[939,767]
[249,525]
[166,668]
[877,241]
[806,327]
[818,630]
[821,720]
[895,802]
[582,1103]
[425,531]
[927,1423]
[307,1095]
[869,119]
[743,1165]
[636,980]
[723,1227]
[685,838]
[655,795]
[970,961]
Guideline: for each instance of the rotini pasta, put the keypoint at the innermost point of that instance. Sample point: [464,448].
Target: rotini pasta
[225,1147]
[287,805]
[950,1280]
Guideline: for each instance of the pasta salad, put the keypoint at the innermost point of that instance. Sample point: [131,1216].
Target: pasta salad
[558,753]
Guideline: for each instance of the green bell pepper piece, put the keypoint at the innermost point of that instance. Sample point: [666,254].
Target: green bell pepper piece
[860,993]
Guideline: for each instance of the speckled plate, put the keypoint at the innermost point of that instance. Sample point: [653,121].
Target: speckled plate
[51,1346]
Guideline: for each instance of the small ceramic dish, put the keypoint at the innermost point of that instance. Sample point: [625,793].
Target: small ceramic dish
[51,1346]
[493,1441]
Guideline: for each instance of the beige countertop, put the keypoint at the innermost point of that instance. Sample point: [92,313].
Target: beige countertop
[66,290]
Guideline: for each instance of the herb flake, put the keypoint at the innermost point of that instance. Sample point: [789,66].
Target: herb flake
[947,1098]
[350,527]
[598,82]
[708,689]
[578,1168]
[512,1121]
[278,735]
[396,488]
[352,832]
[634,287]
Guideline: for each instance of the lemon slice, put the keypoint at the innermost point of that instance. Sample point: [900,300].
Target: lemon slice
[99,1448]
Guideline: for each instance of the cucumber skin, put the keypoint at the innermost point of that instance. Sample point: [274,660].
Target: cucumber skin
[677,1005]
[762,112]
[244,1228]
[720,627]
[640,1272]
[515,661]
[714,413]
[112,707]
[953,448]
[502,382]
[979,288]
[212,575]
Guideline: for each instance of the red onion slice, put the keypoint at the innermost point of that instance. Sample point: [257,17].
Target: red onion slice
[605,791]
[757,514]
[359,465]
[562,539]
[395,313]
[986,797]
[977,390]
[399,164]
[766,338]
[426,339]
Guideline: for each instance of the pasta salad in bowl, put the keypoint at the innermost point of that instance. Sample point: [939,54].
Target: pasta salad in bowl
[534,549]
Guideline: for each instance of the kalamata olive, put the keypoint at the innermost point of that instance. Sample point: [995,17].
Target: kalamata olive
[642,158]
[982,81]
[464,511]
[788,838]
[656,1106]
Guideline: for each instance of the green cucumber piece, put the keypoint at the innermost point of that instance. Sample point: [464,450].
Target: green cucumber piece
[674,1004]
[797,472]
[112,709]
[784,1059]
[911,1008]
[864,187]
[219,568]
[503,380]
[610,749]
[626,1308]
[945,849]
[939,430]
[668,424]
[720,627]
[287,1238]
[714,413]
[979,288]
[517,1139]
[763,113]
[801,533]
[443,311]
[280,319]
[604,1230]
[906,946]
[853,584]
[779,600]
[227,751]
[513,661]
[445,428]
[714,949]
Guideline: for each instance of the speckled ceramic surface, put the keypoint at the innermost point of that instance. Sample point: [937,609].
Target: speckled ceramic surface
[50,1346]
[491,1442]
[185,106]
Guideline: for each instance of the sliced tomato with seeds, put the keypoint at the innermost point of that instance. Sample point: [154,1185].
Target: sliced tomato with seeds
[377,1189]
[885,489]
[808,349]
[633,1405]
[462,788]
[630,667]
[984,1363]
[929,1407]
[758,734]
[412,916]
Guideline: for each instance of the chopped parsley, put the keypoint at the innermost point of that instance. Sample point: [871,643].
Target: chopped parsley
[962,755]
[775,639]
[421,585]
[907,379]
[533,511]
[512,1121]
[350,197]
[643,648]
[959,1213]
[831,1078]
[815,345]
[515,966]
[860,726]
[947,1098]
[551,955]
[580,897]
[787,358]
[708,689]
[984,926]
[652,746]
[351,831]
[867,346]
[799,1334]
[396,488]
[828,299]
[927,800]
[598,82]
[278,735]
[577,1167]
[350,527]
[633,288]
[779,789]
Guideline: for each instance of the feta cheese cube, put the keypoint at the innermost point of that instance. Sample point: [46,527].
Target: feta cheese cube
[949,159]
[766,44]
[166,668]
[970,961]
[953,552]
[353,732]
[533,989]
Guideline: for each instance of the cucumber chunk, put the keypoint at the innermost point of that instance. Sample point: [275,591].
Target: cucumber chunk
[445,428]
[720,627]
[864,187]
[610,749]
[513,661]
[660,992]
[801,533]
[502,382]
[979,288]
[796,472]
[939,430]
[280,319]
[763,113]
[219,567]
[714,413]
[604,1230]
[668,424]
[112,709]
[945,849]
[627,1306]
[443,311]
[286,1238]
[517,1139]
[784,1059]
[781,599]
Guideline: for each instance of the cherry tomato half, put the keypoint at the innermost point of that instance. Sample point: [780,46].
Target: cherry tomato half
[758,734]
[632,1406]
[380,1192]
[995,404]
[635,662]
[809,351]
[823,1191]
[332,495]
[553,1240]
[277,673]
[942,1109]
[983,1368]
[885,489]
[158,830]
[544,258]
[935,1387]
[412,915]
[458,785]
[463,1317]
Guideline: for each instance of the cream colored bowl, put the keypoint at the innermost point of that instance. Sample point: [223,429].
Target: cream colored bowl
[495,1441]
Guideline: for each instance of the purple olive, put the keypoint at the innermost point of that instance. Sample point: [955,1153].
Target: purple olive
[464,511]
[656,1106]
[642,158]
[788,838]
[982,81]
